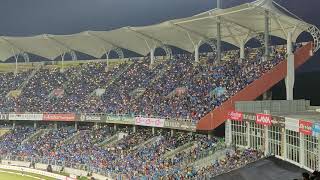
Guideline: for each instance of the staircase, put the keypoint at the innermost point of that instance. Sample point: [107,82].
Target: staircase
[145,143]
[35,135]
[30,76]
[217,116]
[185,147]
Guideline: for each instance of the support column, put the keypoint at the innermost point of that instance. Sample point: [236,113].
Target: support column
[152,57]
[96,126]
[209,135]
[107,55]
[16,58]
[34,124]
[134,129]
[228,133]
[266,141]
[172,132]
[196,53]
[115,127]
[290,69]
[153,131]
[266,34]
[301,150]
[248,134]
[283,143]
[62,62]
[218,33]
[242,50]
[76,126]
[55,125]
[218,40]
[14,124]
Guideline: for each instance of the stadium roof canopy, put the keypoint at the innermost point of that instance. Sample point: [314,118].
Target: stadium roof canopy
[238,25]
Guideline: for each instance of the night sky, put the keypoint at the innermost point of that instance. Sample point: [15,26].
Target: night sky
[32,17]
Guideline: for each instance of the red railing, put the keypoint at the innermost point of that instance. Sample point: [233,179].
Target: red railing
[217,116]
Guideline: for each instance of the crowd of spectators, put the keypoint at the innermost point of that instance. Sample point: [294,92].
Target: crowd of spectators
[126,157]
[175,88]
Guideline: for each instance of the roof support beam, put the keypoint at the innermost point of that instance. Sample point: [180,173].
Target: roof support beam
[61,44]
[144,36]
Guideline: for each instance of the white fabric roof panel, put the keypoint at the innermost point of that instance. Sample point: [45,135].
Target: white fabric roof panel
[40,45]
[126,38]
[84,42]
[238,24]
[7,50]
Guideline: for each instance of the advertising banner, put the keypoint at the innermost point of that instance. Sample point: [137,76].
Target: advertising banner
[264,119]
[235,115]
[59,117]
[118,119]
[316,129]
[152,122]
[4,116]
[292,124]
[24,117]
[90,118]
[182,125]
[305,127]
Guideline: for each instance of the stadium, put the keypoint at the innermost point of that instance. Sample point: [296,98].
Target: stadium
[129,113]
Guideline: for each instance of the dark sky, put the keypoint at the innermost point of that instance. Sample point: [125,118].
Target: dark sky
[31,17]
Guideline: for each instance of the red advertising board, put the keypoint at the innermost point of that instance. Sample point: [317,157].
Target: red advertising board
[235,115]
[59,117]
[264,119]
[305,127]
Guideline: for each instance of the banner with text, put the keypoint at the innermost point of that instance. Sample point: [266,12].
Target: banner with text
[118,119]
[4,116]
[90,118]
[235,116]
[152,122]
[264,119]
[59,117]
[305,127]
[24,117]
[178,124]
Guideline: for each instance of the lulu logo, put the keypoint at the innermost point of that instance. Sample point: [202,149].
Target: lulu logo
[263,119]
[235,115]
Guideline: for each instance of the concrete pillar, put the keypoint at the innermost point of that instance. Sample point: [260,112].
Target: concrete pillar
[196,53]
[209,135]
[13,124]
[172,132]
[96,126]
[242,50]
[248,134]
[153,131]
[301,150]
[283,143]
[107,56]
[115,127]
[266,34]
[55,125]
[152,57]
[76,126]
[266,141]
[34,124]
[134,129]
[228,133]
[218,40]
[290,69]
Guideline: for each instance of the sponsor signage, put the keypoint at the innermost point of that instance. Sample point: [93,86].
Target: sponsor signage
[59,117]
[264,119]
[118,119]
[4,116]
[305,127]
[275,120]
[235,115]
[316,129]
[22,117]
[182,125]
[90,118]
[152,122]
